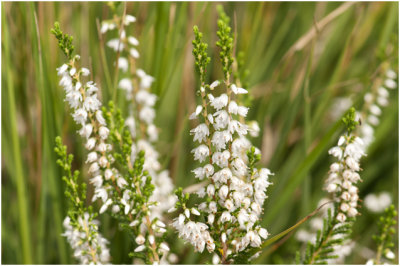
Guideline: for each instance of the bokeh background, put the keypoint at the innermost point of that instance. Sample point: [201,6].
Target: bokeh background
[302,59]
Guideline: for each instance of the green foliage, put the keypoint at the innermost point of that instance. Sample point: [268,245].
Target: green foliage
[323,248]
[75,192]
[137,178]
[33,111]
[183,198]
[386,230]
[350,120]
[64,41]
[200,54]
[253,157]
[225,43]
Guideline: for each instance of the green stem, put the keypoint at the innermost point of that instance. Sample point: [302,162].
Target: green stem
[22,195]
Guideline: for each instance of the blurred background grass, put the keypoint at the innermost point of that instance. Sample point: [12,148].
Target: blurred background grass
[295,78]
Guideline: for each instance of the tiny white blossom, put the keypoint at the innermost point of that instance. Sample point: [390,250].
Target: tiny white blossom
[219,102]
[134,53]
[341,217]
[123,64]
[201,132]
[91,157]
[140,248]
[125,84]
[237,90]
[390,83]
[195,212]
[225,217]
[129,19]
[62,70]
[164,246]
[200,153]
[85,72]
[147,114]
[100,118]
[90,144]
[80,116]
[103,132]
[214,84]
[86,130]
[108,174]
[336,151]
[115,44]
[140,240]
[133,41]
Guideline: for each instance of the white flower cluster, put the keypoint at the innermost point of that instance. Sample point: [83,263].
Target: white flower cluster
[88,244]
[374,102]
[341,184]
[83,99]
[377,203]
[235,192]
[142,115]
[140,121]
[106,179]
[344,175]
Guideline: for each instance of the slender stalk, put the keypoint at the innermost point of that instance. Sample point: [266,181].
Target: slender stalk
[103,59]
[121,29]
[24,216]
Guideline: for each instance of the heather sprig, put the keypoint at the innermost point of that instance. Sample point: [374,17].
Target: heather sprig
[349,120]
[124,189]
[341,185]
[227,221]
[375,101]
[148,232]
[200,54]
[64,41]
[141,113]
[225,43]
[384,239]
[81,229]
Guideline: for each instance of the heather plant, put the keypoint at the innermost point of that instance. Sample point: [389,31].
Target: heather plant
[235,190]
[173,138]
[141,114]
[373,104]
[384,239]
[341,185]
[81,228]
[118,175]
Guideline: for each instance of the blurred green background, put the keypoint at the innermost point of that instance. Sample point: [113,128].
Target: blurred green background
[301,58]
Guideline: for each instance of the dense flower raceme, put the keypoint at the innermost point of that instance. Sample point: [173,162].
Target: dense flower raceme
[341,184]
[110,186]
[344,175]
[235,193]
[88,244]
[374,102]
[136,83]
[328,240]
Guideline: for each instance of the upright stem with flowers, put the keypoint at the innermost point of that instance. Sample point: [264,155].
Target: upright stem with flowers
[235,191]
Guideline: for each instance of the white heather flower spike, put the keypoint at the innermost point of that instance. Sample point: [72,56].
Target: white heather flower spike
[232,199]
[89,246]
[144,133]
[340,185]
[373,108]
